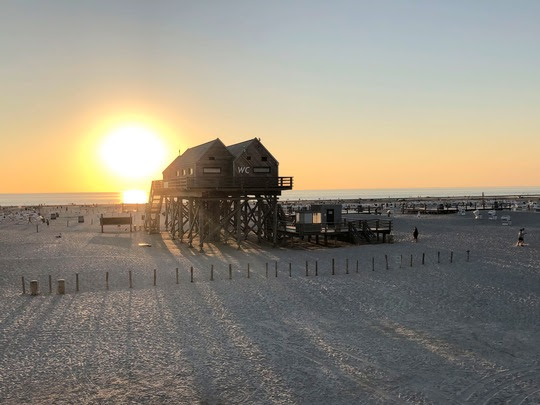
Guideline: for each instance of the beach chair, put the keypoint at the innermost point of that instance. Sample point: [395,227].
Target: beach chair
[477,214]
[505,220]
[492,214]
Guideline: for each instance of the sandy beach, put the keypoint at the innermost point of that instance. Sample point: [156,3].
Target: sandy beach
[460,328]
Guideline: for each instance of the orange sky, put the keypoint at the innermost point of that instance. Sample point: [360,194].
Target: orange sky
[340,100]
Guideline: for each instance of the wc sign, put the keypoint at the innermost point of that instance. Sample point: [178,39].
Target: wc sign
[243,169]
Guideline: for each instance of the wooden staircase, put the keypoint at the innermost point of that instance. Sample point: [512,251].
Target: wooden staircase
[363,234]
[153,208]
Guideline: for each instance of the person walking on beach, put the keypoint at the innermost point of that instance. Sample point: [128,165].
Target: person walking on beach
[415,234]
[521,235]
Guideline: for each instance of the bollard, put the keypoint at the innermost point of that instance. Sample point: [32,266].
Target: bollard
[177,275]
[23,286]
[307,271]
[451,256]
[248,270]
[468,253]
[333,269]
[423,258]
[130,280]
[346,266]
[373,264]
[50,284]
[290,269]
[33,287]
[61,289]
[107,280]
[276,268]
[211,272]
[191,271]
[230,271]
[386,260]
[77,282]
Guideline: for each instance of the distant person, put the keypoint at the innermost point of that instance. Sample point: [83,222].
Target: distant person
[415,234]
[47,222]
[521,236]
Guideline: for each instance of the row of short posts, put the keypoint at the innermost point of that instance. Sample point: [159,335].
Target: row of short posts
[61,283]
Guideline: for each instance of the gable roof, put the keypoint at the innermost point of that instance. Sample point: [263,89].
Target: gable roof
[237,149]
[194,154]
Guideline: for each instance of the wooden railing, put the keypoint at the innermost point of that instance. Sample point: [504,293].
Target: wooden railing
[271,183]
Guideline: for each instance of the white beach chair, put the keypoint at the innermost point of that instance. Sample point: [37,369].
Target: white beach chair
[505,220]
[477,214]
[492,214]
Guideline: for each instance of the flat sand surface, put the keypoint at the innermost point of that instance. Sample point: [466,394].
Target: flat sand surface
[460,332]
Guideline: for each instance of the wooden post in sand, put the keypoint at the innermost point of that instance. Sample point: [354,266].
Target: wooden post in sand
[316,268]
[230,271]
[155,276]
[248,270]
[307,268]
[411,262]
[423,258]
[276,268]
[191,271]
[356,265]
[346,266]
[130,283]
[50,284]
[266,270]
[211,272]
[373,264]
[468,254]
[438,257]
[107,280]
[23,286]
[61,288]
[77,282]
[333,268]
[400,261]
[451,257]
[386,260]
[33,287]
[177,275]
[290,269]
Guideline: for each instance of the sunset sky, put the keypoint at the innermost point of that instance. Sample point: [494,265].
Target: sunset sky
[102,95]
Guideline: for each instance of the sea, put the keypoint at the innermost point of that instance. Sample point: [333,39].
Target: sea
[292,195]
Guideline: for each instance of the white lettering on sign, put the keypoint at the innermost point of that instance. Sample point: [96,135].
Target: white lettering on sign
[243,169]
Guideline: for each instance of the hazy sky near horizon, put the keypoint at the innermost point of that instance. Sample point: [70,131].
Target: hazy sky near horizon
[345,94]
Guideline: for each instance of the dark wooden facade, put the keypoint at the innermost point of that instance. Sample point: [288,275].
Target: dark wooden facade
[213,192]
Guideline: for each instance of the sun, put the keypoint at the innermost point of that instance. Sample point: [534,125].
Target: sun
[133,152]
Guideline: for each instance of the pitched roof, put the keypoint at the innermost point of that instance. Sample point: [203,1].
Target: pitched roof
[192,155]
[238,148]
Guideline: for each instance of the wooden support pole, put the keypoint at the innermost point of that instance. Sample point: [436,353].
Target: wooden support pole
[230,271]
[373,264]
[423,258]
[106,280]
[130,280]
[50,284]
[411,262]
[290,269]
[438,257]
[211,272]
[77,282]
[307,268]
[386,260]
[316,268]
[23,285]
[155,276]
[346,266]
[276,268]
[177,275]
[191,271]
[333,267]
[61,288]
[248,271]
[451,257]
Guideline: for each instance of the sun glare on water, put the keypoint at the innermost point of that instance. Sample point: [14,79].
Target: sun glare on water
[133,152]
[134,197]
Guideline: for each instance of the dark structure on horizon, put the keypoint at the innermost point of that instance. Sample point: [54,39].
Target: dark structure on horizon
[213,192]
